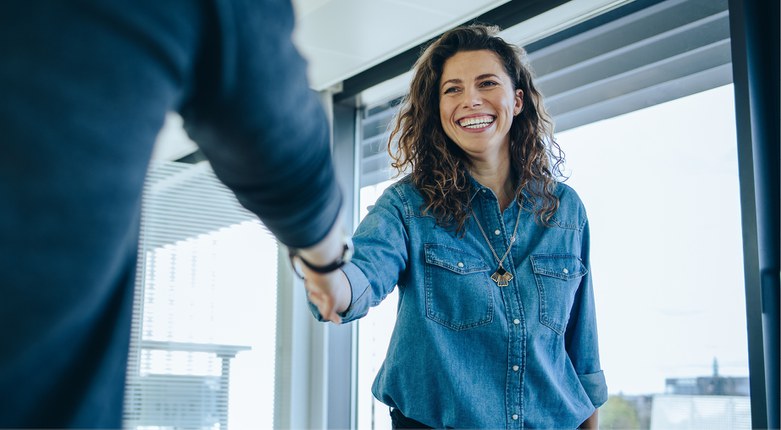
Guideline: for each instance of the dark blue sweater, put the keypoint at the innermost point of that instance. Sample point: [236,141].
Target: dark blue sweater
[84,89]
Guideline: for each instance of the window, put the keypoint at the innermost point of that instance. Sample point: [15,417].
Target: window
[661,189]
[205,308]
[374,332]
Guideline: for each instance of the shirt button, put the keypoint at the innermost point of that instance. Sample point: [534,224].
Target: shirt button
[516,321]
[565,271]
[497,232]
[515,368]
[515,416]
[460,264]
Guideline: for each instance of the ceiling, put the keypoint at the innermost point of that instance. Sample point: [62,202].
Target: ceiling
[343,37]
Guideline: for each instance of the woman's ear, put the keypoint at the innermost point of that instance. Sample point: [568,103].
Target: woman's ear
[518,108]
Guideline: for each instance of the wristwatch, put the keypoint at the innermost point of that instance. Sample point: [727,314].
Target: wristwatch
[344,258]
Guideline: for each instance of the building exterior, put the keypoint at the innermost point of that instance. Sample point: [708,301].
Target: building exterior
[705,402]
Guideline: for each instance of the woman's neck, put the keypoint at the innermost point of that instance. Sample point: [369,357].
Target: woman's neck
[496,177]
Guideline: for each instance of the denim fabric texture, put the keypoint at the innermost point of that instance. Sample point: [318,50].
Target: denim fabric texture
[466,353]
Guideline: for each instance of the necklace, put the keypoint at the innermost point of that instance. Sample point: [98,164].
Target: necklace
[501,276]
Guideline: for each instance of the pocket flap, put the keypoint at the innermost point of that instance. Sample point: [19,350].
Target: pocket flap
[453,259]
[562,266]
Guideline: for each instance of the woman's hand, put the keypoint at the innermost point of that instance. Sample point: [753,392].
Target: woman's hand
[330,292]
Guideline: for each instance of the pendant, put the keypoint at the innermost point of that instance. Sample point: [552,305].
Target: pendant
[502,277]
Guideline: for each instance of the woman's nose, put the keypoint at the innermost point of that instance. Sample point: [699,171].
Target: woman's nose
[472,98]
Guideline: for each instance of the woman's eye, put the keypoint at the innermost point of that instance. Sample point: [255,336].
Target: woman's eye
[485,84]
[451,90]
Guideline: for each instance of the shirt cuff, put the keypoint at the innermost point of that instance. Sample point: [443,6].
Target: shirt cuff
[359,285]
[595,386]
[359,302]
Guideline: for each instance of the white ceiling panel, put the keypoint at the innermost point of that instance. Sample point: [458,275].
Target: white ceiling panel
[341,38]
[538,27]
[453,8]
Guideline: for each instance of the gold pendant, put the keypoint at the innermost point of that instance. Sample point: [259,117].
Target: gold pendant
[502,277]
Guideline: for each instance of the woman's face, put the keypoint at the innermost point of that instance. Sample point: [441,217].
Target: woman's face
[477,103]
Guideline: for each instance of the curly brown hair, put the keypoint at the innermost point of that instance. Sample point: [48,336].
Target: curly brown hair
[439,166]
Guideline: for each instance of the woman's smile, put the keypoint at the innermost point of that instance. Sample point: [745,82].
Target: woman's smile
[476,122]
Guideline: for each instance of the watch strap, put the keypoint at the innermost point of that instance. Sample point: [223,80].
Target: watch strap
[340,261]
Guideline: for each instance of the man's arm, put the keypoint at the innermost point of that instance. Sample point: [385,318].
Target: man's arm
[260,125]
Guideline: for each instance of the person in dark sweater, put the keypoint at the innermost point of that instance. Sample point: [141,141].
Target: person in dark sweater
[85,87]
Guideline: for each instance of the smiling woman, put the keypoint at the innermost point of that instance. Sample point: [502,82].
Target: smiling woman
[489,251]
[477,105]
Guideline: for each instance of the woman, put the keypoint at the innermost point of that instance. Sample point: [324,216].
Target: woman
[496,325]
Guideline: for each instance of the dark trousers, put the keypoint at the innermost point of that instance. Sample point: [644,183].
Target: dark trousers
[399,421]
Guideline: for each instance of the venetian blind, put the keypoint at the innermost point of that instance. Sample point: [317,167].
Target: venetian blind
[203,331]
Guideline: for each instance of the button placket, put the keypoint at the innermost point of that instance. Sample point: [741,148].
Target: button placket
[514,361]
[514,405]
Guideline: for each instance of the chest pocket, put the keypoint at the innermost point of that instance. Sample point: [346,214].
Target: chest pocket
[558,278]
[458,288]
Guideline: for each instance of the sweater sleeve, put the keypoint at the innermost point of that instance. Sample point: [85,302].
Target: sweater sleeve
[258,122]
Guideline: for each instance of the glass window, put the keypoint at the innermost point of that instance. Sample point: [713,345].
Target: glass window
[205,309]
[661,189]
[374,333]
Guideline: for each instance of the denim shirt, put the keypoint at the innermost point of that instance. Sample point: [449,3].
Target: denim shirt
[465,352]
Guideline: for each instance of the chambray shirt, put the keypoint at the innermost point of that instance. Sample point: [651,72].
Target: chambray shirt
[465,352]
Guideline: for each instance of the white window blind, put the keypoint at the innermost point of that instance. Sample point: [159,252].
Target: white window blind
[663,52]
[204,319]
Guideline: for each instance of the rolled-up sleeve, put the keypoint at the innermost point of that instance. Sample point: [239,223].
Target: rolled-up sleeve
[581,338]
[595,386]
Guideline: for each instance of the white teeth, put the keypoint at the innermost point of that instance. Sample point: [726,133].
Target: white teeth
[476,122]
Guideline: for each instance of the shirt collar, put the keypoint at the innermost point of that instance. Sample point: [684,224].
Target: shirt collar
[477,188]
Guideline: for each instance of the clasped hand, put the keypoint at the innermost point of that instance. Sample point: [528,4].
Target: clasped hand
[330,292]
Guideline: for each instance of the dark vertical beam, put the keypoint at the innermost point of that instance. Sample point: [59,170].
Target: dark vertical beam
[749,232]
[754,28]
